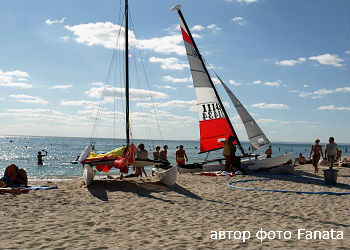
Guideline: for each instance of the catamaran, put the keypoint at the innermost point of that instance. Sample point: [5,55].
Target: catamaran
[122,157]
[214,122]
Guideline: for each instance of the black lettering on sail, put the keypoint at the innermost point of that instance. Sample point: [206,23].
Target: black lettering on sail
[211,111]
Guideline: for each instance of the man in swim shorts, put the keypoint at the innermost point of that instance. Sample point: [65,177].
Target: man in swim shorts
[180,156]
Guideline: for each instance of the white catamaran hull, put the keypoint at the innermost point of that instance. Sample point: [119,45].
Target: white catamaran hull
[253,164]
[167,177]
[88,175]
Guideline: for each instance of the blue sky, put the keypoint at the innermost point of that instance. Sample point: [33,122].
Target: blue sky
[287,61]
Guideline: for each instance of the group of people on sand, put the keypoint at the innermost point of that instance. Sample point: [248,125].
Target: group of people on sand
[331,154]
[158,155]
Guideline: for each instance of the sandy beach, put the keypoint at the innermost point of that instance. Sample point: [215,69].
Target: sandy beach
[143,214]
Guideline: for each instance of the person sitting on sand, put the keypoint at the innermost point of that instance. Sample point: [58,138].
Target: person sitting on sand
[180,156]
[15,176]
[315,153]
[268,152]
[40,157]
[338,155]
[141,154]
[300,160]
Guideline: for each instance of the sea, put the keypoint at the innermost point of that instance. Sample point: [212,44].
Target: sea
[63,151]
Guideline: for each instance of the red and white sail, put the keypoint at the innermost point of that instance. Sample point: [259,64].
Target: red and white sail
[214,125]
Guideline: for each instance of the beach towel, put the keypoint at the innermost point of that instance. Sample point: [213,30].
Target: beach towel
[216,173]
[41,187]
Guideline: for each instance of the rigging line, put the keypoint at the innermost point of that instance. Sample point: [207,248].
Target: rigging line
[147,129]
[99,110]
[146,78]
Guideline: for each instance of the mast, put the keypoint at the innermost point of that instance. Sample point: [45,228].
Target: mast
[177,8]
[127,73]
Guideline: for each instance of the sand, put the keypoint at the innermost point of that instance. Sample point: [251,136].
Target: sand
[143,214]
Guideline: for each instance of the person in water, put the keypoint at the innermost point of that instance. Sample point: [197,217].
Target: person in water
[315,153]
[40,157]
[181,156]
[268,152]
[15,176]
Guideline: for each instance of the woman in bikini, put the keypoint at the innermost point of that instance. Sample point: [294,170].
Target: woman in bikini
[316,152]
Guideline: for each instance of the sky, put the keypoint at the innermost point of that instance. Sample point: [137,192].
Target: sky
[286,61]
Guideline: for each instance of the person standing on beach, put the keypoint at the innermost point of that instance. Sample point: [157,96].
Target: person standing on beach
[40,157]
[315,153]
[229,153]
[180,156]
[331,151]
[156,154]
[141,154]
[268,152]
[164,153]
[156,157]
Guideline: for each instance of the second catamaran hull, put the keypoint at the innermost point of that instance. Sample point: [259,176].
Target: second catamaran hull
[252,164]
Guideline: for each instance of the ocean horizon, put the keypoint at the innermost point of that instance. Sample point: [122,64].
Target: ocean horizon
[63,151]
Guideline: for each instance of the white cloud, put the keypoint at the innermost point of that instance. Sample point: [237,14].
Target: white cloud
[29,99]
[213,27]
[305,86]
[97,84]
[16,84]
[50,22]
[165,87]
[65,38]
[12,78]
[105,34]
[331,91]
[270,106]
[169,63]
[169,104]
[243,1]
[291,62]
[268,83]
[197,28]
[63,86]
[272,84]
[234,83]
[135,94]
[328,59]
[79,103]
[239,20]
[322,92]
[333,107]
[176,80]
